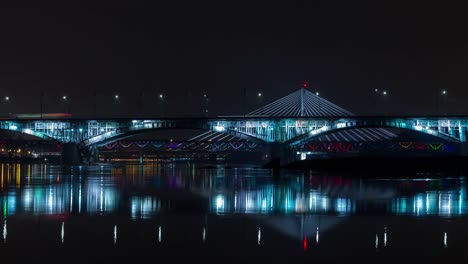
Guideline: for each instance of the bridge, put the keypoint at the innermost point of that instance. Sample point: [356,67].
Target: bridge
[298,123]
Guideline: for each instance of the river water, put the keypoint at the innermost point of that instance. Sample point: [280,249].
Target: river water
[181,211]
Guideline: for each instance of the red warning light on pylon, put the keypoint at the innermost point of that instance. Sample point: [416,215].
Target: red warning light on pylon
[305,85]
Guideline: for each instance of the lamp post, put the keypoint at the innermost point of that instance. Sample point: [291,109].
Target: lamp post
[7,99]
[444,102]
[161,102]
[441,93]
[385,96]
[260,99]
[65,102]
[206,102]
[116,98]
[319,100]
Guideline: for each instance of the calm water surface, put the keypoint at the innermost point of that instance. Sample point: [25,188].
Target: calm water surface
[180,211]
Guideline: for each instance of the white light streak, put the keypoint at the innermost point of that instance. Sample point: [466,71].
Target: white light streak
[204,234]
[445,239]
[159,234]
[259,236]
[115,234]
[62,233]
[4,231]
[317,236]
[385,237]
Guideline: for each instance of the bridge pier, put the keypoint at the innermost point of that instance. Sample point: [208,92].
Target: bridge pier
[280,155]
[464,149]
[73,154]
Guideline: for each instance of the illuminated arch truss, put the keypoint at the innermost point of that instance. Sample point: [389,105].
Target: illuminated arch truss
[292,120]
[208,141]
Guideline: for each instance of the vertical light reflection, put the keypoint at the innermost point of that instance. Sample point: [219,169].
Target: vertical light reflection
[4,231]
[317,236]
[376,241]
[385,237]
[50,203]
[18,175]
[79,199]
[445,239]
[29,173]
[71,198]
[427,203]
[449,205]
[8,173]
[439,205]
[101,195]
[159,234]
[62,233]
[460,199]
[259,236]
[235,201]
[2,175]
[204,234]
[115,234]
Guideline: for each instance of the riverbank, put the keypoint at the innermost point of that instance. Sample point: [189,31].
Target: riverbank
[29,160]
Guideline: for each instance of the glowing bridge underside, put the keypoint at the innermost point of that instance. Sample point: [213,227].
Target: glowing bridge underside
[295,119]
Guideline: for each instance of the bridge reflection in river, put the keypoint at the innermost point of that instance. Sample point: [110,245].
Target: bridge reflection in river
[165,202]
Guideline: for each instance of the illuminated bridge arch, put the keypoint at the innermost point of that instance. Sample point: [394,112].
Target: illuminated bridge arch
[29,132]
[377,125]
[206,136]
[291,119]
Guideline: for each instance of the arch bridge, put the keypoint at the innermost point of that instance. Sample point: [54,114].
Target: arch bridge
[290,121]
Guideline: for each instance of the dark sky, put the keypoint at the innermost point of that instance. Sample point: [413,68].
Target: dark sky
[226,50]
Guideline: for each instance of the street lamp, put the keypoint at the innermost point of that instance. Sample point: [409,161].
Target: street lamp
[319,101]
[378,93]
[206,101]
[385,93]
[260,100]
[7,98]
[444,101]
[161,102]
[65,100]
[117,102]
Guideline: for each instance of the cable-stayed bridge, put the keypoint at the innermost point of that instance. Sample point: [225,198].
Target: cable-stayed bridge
[300,121]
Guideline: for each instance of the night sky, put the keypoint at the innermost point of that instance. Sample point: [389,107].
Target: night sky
[227,51]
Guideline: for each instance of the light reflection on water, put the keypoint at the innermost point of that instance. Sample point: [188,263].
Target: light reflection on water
[143,192]
[179,201]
